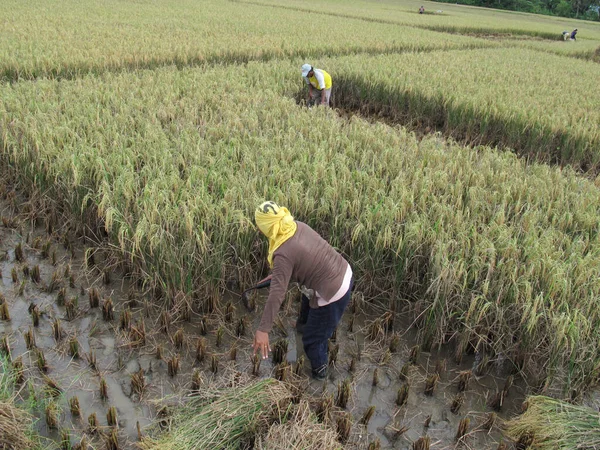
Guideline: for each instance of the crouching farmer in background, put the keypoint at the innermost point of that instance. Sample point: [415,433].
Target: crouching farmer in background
[319,85]
[298,253]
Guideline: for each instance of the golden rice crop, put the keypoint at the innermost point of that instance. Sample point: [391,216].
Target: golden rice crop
[453,19]
[174,162]
[69,38]
[556,425]
[485,95]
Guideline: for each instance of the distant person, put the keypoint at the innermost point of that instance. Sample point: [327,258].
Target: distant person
[421,9]
[565,35]
[319,85]
[574,34]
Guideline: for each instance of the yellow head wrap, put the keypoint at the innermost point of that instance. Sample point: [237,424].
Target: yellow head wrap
[276,223]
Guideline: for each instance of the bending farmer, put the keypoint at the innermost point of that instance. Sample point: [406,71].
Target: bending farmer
[298,253]
[319,85]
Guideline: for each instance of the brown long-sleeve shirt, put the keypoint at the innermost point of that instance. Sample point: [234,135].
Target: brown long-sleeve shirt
[309,260]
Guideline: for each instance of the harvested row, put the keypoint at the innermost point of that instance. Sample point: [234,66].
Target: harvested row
[476,244]
[484,96]
[55,41]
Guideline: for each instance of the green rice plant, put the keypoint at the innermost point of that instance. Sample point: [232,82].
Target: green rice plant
[222,419]
[554,424]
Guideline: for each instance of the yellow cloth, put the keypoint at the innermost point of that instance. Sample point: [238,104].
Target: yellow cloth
[276,223]
[313,80]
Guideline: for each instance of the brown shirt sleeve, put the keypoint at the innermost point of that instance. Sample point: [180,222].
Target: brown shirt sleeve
[282,272]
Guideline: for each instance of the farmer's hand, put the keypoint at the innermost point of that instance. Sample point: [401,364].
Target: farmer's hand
[261,343]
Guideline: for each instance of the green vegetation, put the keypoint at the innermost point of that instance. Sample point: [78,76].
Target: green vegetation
[552,424]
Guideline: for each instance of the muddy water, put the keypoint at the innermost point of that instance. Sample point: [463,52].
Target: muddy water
[118,358]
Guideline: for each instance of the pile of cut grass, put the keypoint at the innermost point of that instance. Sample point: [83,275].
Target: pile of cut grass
[550,424]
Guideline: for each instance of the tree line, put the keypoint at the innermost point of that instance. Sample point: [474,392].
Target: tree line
[580,9]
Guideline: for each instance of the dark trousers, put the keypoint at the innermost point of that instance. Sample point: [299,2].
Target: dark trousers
[320,325]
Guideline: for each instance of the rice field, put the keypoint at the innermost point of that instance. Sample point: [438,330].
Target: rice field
[486,96]
[67,39]
[446,17]
[158,126]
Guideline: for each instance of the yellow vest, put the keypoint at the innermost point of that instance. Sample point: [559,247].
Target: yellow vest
[315,83]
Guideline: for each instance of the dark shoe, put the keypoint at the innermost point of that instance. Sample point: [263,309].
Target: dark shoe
[300,327]
[320,374]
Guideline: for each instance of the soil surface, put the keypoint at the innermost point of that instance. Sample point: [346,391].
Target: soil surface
[119,355]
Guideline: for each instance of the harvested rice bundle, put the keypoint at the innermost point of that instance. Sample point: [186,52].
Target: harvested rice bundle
[224,419]
[556,425]
[301,432]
